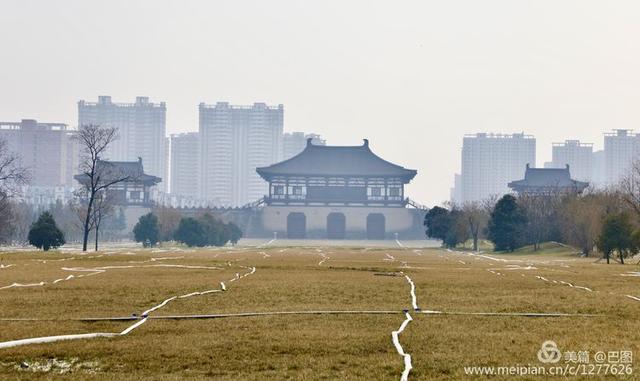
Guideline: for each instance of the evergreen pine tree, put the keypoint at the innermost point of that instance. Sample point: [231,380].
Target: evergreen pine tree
[146,230]
[507,224]
[44,234]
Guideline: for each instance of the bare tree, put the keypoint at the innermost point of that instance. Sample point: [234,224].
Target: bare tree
[168,221]
[629,188]
[476,216]
[96,175]
[541,211]
[12,176]
[103,207]
[581,220]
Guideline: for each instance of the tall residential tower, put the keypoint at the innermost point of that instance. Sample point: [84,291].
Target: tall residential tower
[141,130]
[621,148]
[491,161]
[185,171]
[579,157]
[234,141]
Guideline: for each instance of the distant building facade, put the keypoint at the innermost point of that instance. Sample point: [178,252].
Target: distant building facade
[48,151]
[455,193]
[598,174]
[141,130]
[621,148]
[491,161]
[135,190]
[547,181]
[337,193]
[579,156]
[135,195]
[234,141]
[185,170]
[294,142]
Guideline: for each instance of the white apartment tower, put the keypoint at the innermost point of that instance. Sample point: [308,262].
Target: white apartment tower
[185,171]
[621,148]
[491,161]
[141,130]
[579,157]
[234,141]
[295,142]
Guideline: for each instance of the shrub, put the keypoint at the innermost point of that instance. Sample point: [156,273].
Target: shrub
[44,234]
[146,230]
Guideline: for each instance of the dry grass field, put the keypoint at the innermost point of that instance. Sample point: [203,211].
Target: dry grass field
[367,285]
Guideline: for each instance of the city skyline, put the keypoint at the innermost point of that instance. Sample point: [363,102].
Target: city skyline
[596,167]
[415,86]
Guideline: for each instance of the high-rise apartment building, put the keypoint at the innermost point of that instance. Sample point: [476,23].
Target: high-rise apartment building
[598,174]
[234,141]
[491,161]
[185,171]
[141,130]
[579,157]
[47,150]
[294,142]
[455,192]
[621,148]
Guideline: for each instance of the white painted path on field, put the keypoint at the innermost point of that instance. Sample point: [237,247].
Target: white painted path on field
[144,316]
[395,335]
[100,270]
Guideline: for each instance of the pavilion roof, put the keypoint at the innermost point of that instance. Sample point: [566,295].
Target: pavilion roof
[352,161]
[548,178]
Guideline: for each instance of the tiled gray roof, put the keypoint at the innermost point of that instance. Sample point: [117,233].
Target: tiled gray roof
[548,178]
[318,160]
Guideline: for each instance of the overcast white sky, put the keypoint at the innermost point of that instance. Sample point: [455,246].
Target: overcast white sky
[412,76]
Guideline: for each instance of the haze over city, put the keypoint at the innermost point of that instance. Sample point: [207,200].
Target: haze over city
[413,77]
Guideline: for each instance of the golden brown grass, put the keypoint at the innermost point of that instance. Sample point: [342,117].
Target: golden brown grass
[311,346]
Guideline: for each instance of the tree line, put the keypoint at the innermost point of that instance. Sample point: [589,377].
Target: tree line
[605,221]
[204,230]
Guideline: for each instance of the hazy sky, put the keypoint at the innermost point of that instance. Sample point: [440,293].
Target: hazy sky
[412,76]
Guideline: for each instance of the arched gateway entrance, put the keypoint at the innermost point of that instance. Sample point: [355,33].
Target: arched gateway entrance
[296,225]
[336,226]
[375,226]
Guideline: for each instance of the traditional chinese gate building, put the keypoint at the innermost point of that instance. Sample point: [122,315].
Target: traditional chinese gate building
[337,193]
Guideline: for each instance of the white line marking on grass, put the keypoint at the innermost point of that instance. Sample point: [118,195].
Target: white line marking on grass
[5,266]
[400,350]
[157,259]
[266,243]
[630,273]
[523,314]
[414,300]
[324,258]
[51,339]
[24,285]
[145,316]
[164,303]
[61,279]
[565,283]
[633,297]
[574,286]
[134,326]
